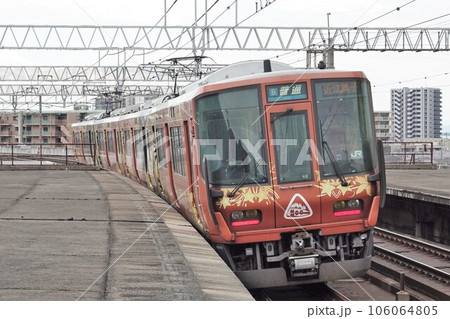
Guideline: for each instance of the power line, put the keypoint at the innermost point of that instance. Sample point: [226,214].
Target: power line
[350,28]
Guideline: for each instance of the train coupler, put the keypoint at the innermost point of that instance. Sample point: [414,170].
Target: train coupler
[307,265]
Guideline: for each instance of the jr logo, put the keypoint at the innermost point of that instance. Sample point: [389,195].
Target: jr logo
[298,208]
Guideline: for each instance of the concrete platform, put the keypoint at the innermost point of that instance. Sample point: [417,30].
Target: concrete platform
[95,235]
[425,185]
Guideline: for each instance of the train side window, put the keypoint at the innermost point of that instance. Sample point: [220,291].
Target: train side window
[86,142]
[161,147]
[101,140]
[110,142]
[119,142]
[178,150]
[128,146]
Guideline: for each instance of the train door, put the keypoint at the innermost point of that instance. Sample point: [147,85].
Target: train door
[92,147]
[120,152]
[116,149]
[98,145]
[106,148]
[144,139]
[292,152]
[159,157]
[137,154]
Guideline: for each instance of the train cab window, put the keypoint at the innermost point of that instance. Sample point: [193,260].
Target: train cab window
[344,126]
[292,149]
[230,134]
[160,147]
[178,150]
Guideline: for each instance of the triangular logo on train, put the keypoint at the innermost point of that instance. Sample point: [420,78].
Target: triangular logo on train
[298,208]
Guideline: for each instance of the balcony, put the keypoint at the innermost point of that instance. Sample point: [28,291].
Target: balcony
[6,133]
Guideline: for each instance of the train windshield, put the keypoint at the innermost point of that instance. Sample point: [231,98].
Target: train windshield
[344,126]
[230,135]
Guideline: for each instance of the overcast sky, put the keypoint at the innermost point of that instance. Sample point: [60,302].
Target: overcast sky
[383,69]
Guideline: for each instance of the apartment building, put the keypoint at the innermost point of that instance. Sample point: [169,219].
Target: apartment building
[24,127]
[384,125]
[417,113]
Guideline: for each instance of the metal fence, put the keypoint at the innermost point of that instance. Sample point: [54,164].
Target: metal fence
[44,154]
[408,153]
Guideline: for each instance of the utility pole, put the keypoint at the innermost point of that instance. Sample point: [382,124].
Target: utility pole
[40,119]
[328,53]
[165,12]
[236,4]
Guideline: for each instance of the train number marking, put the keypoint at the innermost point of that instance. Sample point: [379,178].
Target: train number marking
[298,208]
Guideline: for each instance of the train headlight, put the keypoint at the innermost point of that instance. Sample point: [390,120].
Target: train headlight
[339,204]
[237,215]
[354,203]
[252,213]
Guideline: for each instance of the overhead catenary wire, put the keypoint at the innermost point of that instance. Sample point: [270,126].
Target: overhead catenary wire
[208,9]
[108,51]
[396,9]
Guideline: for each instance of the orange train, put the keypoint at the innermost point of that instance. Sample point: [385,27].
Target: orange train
[278,167]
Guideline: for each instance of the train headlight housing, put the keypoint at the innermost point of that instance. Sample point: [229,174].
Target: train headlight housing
[246,217]
[347,207]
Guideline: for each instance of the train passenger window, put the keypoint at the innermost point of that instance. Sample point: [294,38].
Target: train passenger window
[101,140]
[292,149]
[139,140]
[86,142]
[178,150]
[119,142]
[110,142]
[161,147]
[128,143]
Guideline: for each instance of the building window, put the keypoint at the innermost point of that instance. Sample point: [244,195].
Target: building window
[45,140]
[178,150]
[62,117]
[45,117]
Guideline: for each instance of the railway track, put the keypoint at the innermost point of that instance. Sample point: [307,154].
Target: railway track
[310,292]
[426,266]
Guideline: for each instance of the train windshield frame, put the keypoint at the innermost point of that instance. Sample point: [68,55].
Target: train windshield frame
[231,135]
[344,126]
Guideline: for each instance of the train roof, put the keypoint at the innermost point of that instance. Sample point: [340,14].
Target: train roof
[242,71]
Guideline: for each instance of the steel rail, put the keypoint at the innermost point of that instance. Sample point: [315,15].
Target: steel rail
[421,245]
[414,265]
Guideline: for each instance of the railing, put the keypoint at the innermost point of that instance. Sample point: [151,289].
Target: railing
[408,153]
[46,154]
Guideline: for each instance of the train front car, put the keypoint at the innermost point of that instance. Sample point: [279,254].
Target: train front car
[287,161]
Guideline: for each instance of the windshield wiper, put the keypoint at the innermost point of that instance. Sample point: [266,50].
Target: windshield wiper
[334,163]
[281,115]
[233,192]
